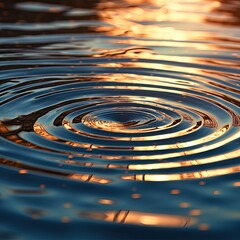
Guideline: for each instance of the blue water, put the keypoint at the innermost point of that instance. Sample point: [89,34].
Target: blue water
[120,120]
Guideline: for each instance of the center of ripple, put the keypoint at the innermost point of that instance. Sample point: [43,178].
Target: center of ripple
[121,119]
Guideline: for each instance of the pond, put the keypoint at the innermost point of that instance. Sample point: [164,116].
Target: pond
[120,119]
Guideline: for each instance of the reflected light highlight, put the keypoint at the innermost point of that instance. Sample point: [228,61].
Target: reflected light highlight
[182,176]
[141,218]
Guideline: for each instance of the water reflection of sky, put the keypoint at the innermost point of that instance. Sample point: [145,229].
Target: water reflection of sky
[119,119]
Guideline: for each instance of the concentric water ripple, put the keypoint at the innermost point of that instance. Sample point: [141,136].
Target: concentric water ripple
[135,122]
[118,95]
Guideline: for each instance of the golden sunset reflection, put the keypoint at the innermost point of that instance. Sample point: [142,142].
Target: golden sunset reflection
[195,212]
[148,80]
[141,218]
[184,205]
[136,166]
[203,227]
[41,131]
[120,19]
[89,178]
[168,165]
[155,11]
[105,201]
[236,184]
[199,161]
[23,171]
[182,176]
[175,192]
[161,24]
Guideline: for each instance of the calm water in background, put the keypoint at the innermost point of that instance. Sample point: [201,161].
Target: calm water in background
[119,120]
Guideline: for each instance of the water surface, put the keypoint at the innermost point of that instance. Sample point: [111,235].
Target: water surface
[119,120]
